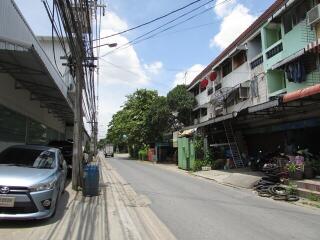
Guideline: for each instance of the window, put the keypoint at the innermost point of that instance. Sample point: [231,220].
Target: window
[226,68]
[203,112]
[12,126]
[28,157]
[37,133]
[295,16]
[210,91]
[239,59]
[217,86]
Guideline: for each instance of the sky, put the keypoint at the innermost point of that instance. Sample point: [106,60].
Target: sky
[172,57]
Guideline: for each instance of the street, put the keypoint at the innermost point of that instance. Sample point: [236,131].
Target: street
[117,213]
[194,208]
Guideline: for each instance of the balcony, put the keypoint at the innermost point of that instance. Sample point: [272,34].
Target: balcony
[202,98]
[237,76]
[274,50]
[273,54]
[256,61]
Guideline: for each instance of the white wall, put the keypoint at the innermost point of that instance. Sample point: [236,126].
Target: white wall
[47,45]
[254,47]
[237,76]
[262,85]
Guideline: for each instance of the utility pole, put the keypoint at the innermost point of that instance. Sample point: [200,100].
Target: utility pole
[77,131]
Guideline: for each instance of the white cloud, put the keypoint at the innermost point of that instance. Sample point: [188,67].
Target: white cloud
[153,68]
[121,66]
[121,72]
[223,8]
[236,18]
[186,77]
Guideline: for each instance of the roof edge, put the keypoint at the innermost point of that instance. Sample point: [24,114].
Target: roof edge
[243,36]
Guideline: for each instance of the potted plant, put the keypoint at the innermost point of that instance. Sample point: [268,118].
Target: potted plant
[294,171]
[308,170]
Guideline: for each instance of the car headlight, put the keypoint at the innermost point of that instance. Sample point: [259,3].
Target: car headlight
[43,186]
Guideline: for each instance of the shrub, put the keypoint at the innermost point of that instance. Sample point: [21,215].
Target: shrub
[198,164]
[143,153]
[292,189]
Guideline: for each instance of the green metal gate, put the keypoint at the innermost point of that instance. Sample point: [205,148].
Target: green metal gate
[186,154]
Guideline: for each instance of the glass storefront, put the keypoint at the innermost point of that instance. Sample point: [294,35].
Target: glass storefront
[15,127]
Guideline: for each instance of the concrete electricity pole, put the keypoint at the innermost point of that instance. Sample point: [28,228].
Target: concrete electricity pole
[77,131]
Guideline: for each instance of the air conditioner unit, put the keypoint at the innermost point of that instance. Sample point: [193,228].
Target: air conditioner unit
[313,16]
[244,92]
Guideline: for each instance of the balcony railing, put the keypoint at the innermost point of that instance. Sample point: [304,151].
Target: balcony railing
[256,61]
[275,50]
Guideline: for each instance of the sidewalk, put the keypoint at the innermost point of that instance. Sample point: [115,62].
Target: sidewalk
[118,213]
[243,178]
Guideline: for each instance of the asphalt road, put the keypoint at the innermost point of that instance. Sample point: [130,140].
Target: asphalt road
[199,209]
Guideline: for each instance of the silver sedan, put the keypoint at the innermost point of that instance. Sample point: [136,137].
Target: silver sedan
[32,179]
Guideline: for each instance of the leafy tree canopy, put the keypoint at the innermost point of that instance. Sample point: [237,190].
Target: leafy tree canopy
[182,102]
[143,119]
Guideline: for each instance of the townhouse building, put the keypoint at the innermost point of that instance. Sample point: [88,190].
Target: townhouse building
[262,91]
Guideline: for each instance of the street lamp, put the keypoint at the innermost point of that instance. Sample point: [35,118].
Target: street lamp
[111,45]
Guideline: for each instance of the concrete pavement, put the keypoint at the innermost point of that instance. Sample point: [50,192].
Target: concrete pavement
[195,208]
[237,178]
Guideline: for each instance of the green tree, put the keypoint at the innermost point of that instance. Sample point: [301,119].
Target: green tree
[181,101]
[142,120]
[159,119]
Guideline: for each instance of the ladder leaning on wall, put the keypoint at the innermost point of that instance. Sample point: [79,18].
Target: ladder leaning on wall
[233,145]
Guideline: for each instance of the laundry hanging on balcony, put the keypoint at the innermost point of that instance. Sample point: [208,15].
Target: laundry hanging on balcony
[213,76]
[204,83]
[296,72]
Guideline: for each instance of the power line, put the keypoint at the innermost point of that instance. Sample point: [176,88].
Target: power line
[136,74]
[136,40]
[151,21]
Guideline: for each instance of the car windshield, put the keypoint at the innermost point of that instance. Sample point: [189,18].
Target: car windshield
[33,158]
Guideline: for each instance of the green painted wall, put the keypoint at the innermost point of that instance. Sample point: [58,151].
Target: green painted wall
[292,41]
[272,36]
[276,81]
[312,79]
[297,39]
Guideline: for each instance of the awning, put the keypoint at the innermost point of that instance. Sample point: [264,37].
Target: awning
[313,47]
[214,120]
[200,106]
[302,93]
[288,59]
[27,68]
[263,106]
[187,133]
